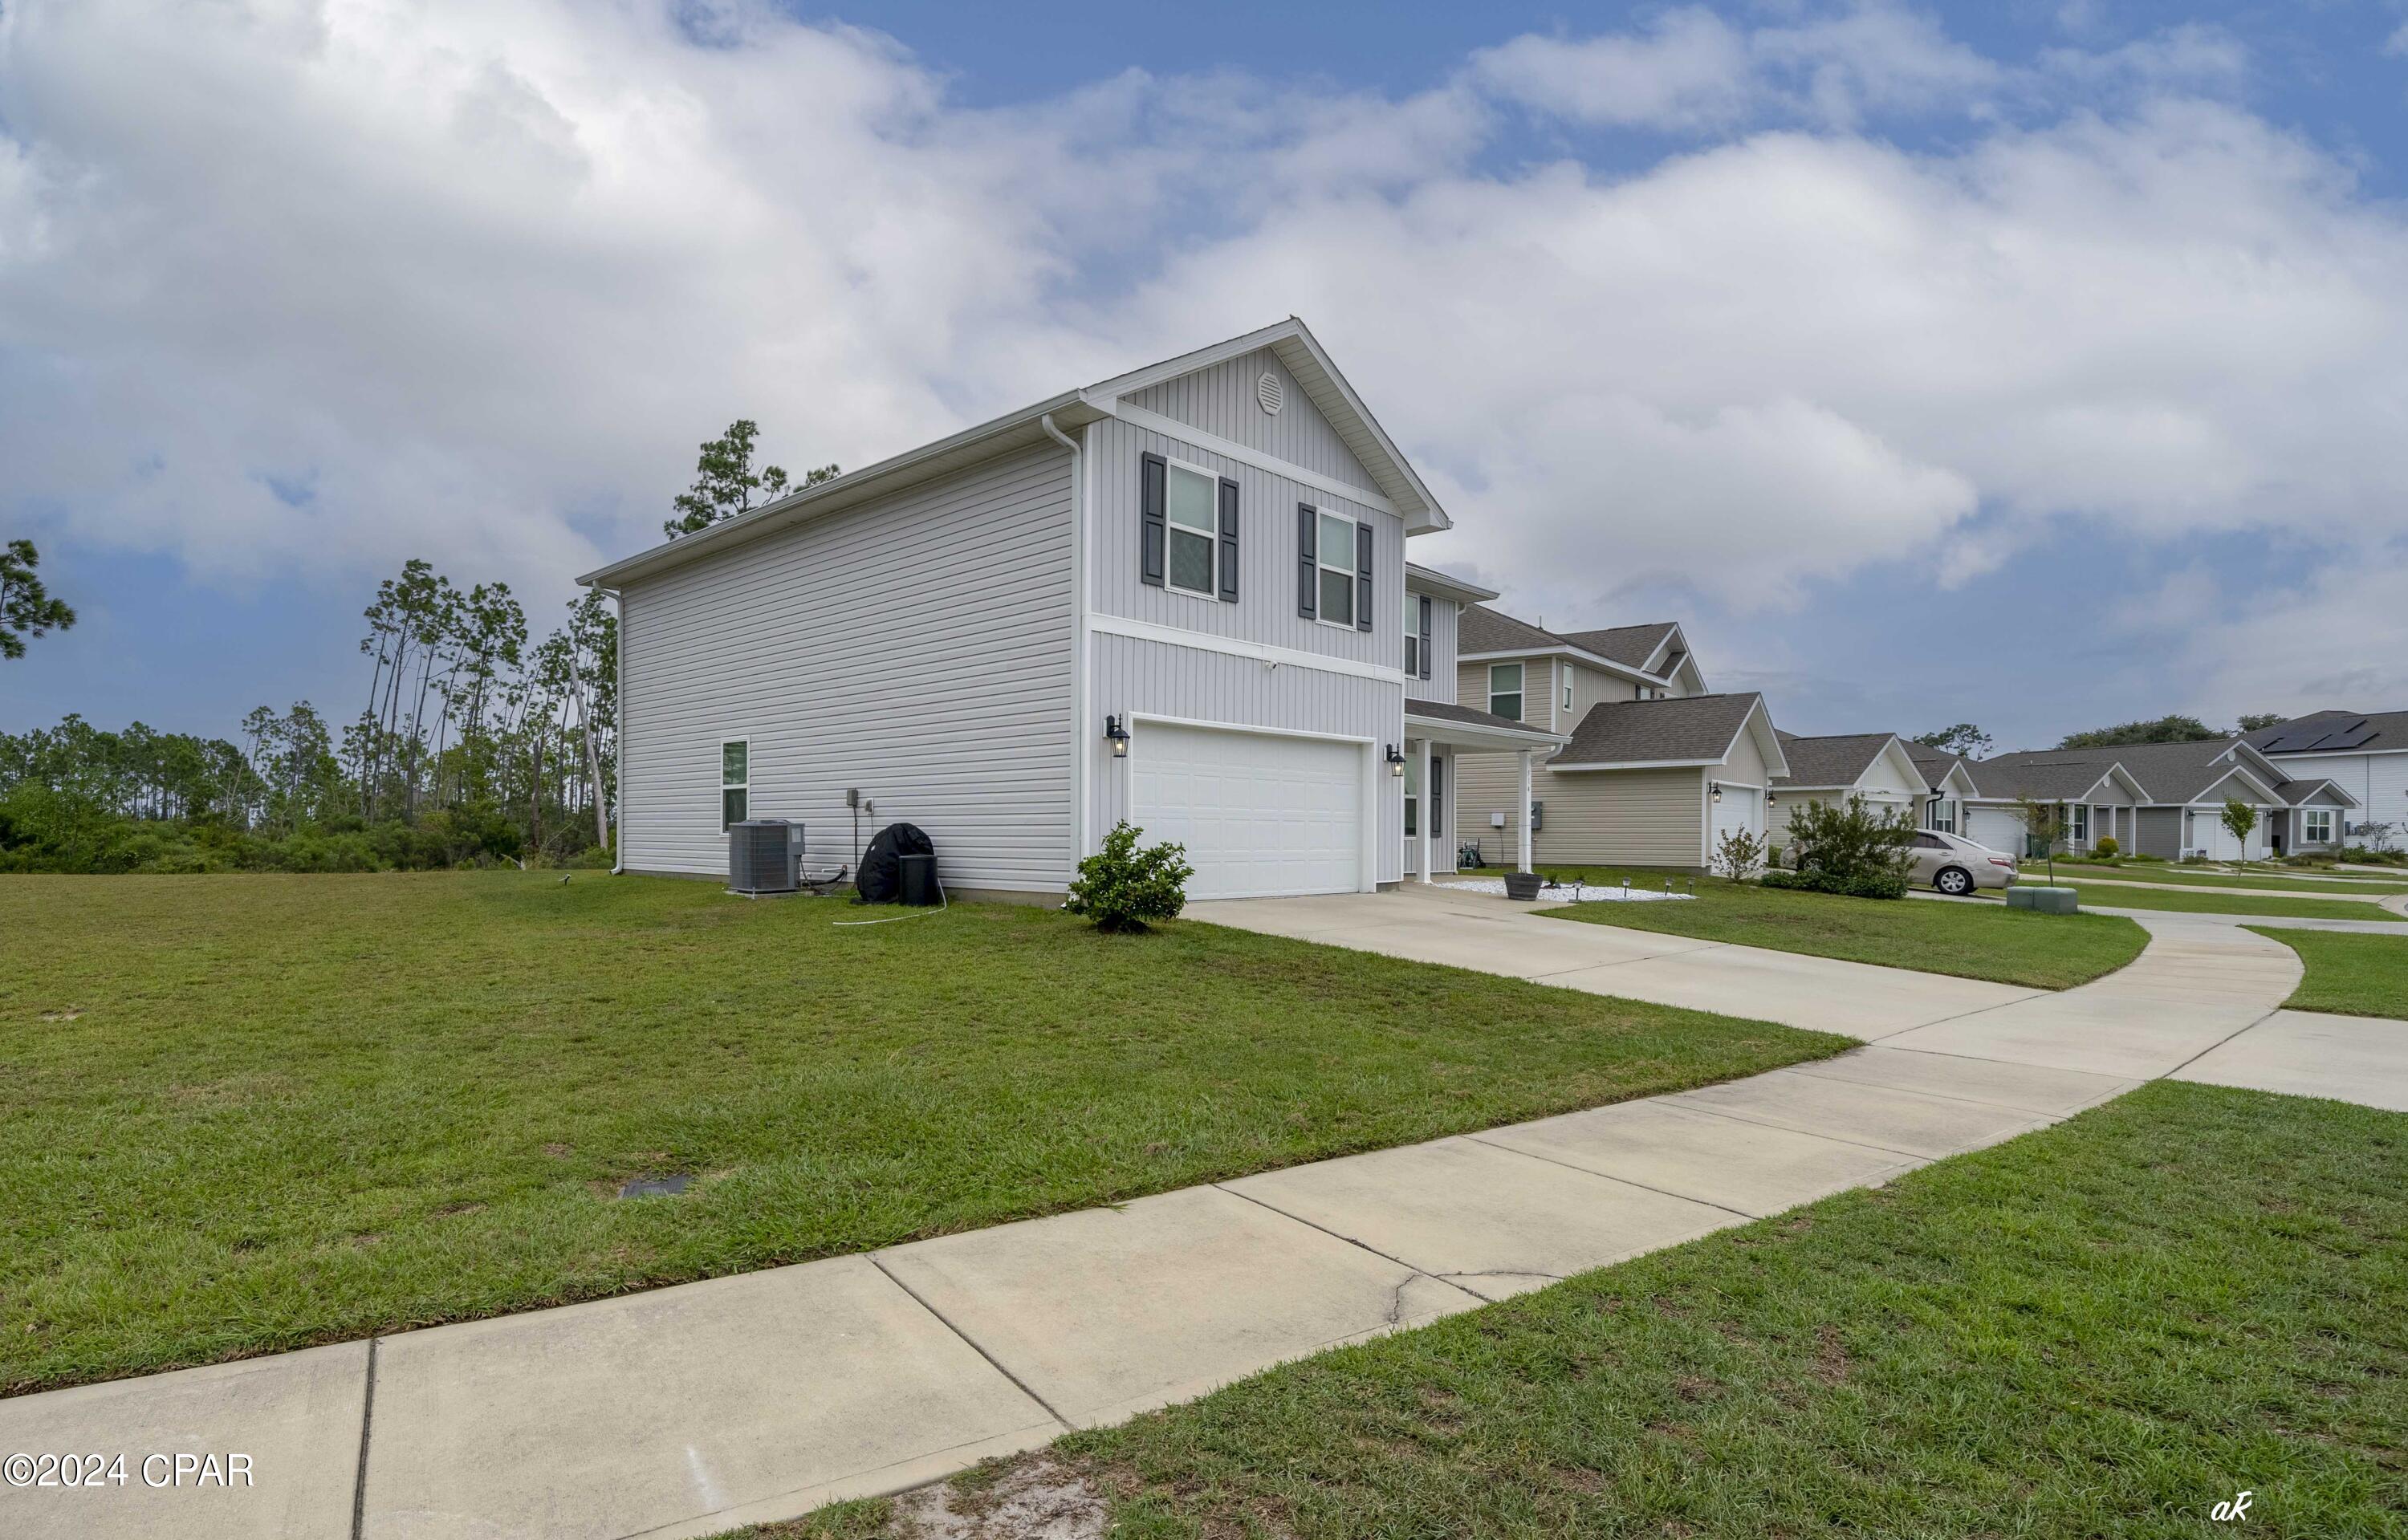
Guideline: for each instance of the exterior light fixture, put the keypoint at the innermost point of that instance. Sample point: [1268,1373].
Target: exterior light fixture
[1117,735]
[1771,798]
[1396,760]
[1718,791]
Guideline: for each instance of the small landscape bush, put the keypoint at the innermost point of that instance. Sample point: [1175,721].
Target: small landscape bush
[1121,887]
[2106,847]
[1851,848]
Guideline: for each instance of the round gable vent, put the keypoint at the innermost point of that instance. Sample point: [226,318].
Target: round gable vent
[1270,392]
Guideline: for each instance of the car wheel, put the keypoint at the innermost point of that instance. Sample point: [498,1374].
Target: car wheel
[1954,880]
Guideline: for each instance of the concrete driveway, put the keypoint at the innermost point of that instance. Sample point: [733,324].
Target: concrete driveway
[1489,935]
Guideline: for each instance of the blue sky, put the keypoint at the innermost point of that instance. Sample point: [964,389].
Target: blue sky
[2039,364]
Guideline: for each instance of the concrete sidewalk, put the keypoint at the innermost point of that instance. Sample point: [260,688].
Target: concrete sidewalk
[687,1410]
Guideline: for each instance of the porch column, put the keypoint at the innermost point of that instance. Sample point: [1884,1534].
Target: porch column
[1522,804]
[1423,820]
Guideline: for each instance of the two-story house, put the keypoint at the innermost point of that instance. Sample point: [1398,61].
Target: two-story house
[1178,596]
[1654,769]
[2365,755]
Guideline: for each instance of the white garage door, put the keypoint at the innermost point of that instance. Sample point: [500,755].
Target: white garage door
[1997,828]
[1261,815]
[1741,808]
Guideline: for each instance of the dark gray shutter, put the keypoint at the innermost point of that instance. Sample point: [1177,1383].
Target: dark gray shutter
[1229,540]
[1362,577]
[1425,630]
[1306,604]
[1154,509]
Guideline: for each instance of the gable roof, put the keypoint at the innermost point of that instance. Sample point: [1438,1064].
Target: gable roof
[1635,645]
[1675,731]
[2167,772]
[1838,760]
[1936,764]
[2335,732]
[1290,339]
[1486,630]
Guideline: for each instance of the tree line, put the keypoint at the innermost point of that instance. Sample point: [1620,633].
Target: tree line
[475,742]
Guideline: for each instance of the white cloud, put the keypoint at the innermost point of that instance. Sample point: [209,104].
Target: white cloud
[2335,640]
[317,287]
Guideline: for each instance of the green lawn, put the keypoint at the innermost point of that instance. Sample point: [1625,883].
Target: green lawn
[2106,1328]
[2348,974]
[2212,902]
[2166,872]
[248,1113]
[2041,951]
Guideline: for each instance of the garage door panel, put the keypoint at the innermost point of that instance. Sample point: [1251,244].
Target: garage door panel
[1261,814]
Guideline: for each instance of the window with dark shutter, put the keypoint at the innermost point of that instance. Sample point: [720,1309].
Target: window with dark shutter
[1425,635]
[1362,577]
[1307,561]
[1229,540]
[1153,504]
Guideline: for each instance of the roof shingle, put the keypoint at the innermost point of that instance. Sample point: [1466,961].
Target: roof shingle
[1685,729]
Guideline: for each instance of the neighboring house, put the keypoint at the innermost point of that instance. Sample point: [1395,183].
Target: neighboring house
[1178,596]
[1947,787]
[1656,770]
[2365,753]
[2158,799]
[1875,766]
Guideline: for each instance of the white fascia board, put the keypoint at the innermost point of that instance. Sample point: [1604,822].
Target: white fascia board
[1576,654]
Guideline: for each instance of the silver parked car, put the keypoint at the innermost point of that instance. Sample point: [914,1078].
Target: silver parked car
[1957,865]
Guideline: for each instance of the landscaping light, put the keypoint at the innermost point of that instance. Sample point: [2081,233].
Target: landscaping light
[1117,735]
[1396,760]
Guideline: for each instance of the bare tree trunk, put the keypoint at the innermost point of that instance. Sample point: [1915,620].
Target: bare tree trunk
[593,753]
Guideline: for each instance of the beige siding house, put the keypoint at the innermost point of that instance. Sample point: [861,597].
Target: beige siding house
[1654,770]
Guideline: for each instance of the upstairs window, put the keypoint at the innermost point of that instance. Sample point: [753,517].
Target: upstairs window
[1505,690]
[734,782]
[1336,565]
[1192,519]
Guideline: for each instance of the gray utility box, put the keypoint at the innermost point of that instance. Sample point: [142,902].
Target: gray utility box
[2044,899]
[764,856]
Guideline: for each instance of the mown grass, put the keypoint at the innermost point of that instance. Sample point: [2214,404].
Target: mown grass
[2209,902]
[2175,877]
[246,1113]
[2106,1328]
[2349,973]
[1969,941]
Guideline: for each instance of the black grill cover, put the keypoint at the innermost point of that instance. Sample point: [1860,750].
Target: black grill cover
[880,879]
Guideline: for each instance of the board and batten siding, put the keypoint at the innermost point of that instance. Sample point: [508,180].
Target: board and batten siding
[1265,607]
[1135,675]
[917,646]
[1439,686]
[1223,402]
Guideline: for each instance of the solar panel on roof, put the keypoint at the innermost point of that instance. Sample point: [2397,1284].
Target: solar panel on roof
[2349,737]
[2293,742]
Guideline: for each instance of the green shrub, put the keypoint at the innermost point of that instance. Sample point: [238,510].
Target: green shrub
[2106,847]
[1855,849]
[1858,885]
[1121,887]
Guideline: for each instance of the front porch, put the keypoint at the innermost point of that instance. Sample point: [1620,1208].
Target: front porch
[1436,734]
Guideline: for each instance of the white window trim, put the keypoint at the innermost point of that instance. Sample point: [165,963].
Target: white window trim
[2310,817]
[1522,690]
[725,786]
[1566,670]
[1212,590]
[1319,566]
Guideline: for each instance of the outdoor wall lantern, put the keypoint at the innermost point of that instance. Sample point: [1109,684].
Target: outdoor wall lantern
[1771,797]
[1396,760]
[1718,791]
[1117,735]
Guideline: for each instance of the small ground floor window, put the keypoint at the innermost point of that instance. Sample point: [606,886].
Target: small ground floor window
[2316,826]
[734,782]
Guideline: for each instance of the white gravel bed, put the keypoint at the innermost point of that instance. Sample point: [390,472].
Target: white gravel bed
[1576,893]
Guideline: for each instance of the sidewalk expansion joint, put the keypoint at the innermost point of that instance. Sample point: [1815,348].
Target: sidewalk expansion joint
[360,1477]
[975,1346]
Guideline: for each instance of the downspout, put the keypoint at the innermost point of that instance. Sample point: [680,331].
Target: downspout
[1079,739]
[619,730]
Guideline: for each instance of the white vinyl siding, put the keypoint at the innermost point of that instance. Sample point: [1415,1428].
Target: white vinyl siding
[1439,686]
[1221,401]
[917,646]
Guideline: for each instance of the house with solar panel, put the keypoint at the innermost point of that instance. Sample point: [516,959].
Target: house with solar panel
[2365,753]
